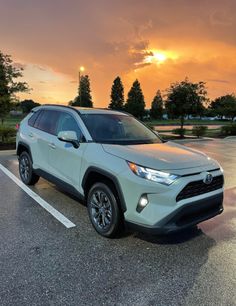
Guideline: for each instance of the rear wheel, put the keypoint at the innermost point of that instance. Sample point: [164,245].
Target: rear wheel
[103,209]
[26,169]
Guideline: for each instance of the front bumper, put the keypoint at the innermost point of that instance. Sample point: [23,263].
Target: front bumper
[185,216]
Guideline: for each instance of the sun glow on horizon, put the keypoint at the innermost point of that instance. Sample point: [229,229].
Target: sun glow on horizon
[159,57]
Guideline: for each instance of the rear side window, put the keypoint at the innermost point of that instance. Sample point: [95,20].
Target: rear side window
[47,121]
[33,118]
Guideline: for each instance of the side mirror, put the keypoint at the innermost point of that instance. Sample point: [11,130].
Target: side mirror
[69,136]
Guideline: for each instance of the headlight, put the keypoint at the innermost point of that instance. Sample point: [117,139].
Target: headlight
[153,175]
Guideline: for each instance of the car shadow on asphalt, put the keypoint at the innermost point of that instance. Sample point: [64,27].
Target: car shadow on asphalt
[173,238]
[74,196]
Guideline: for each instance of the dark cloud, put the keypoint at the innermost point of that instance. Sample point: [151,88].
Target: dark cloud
[142,65]
[218,81]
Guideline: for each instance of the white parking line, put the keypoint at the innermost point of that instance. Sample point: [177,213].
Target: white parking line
[55,213]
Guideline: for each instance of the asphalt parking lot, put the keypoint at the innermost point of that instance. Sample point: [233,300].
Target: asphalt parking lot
[42,262]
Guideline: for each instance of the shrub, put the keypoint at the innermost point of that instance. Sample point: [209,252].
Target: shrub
[6,133]
[199,130]
[228,130]
[180,132]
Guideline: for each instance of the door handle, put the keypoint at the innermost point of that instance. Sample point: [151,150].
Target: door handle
[52,145]
[31,135]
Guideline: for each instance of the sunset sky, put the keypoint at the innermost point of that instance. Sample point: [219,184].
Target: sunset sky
[155,41]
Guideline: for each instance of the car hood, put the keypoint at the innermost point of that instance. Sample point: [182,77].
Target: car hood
[161,156]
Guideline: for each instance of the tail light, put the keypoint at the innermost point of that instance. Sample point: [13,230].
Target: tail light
[17,126]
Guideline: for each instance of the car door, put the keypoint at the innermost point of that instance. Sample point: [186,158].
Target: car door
[32,138]
[43,133]
[64,158]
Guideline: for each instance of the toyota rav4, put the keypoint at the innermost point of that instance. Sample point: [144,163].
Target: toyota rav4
[122,170]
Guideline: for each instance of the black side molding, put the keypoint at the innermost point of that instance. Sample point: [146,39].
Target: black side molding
[63,185]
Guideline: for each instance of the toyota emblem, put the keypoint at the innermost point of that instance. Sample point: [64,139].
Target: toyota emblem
[208,178]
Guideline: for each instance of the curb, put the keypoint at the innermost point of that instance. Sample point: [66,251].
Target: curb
[193,139]
[7,152]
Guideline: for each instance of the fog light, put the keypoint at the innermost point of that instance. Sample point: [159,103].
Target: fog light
[143,202]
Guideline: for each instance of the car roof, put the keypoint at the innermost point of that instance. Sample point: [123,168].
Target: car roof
[83,110]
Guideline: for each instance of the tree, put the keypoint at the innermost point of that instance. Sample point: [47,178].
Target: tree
[117,95]
[84,98]
[8,84]
[156,111]
[185,98]
[27,105]
[135,104]
[225,106]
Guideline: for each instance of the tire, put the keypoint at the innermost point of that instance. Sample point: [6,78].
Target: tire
[27,174]
[103,210]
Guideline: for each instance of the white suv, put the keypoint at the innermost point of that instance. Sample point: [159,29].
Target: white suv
[123,171]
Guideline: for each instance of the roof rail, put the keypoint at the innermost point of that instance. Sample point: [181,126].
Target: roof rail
[78,111]
[61,105]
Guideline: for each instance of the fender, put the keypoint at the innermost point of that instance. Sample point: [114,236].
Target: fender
[109,176]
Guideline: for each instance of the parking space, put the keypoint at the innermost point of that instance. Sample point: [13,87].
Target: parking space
[42,262]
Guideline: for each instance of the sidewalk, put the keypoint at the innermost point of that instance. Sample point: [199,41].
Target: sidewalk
[7,152]
[186,137]
[193,139]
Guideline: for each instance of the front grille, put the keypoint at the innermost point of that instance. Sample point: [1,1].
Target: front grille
[196,188]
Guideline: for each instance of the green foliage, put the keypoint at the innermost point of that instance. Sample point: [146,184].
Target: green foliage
[199,130]
[117,95]
[185,98]
[135,104]
[84,99]
[228,130]
[180,131]
[6,133]
[8,85]
[225,106]
[156,111]
[208,112]
[28,105]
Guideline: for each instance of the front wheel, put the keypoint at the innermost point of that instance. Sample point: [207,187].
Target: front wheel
[27,174]
[103,209]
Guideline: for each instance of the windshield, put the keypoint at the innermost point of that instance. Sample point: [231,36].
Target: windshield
[118,129]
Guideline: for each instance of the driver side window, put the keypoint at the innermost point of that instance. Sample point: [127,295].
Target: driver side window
[67,123]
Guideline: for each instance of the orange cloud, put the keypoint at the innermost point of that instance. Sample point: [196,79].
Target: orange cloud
[166,40]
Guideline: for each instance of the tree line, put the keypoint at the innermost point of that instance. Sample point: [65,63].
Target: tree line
[181,100]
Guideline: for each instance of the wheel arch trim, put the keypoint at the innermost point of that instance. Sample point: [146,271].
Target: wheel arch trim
[109,176]
[23,144]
